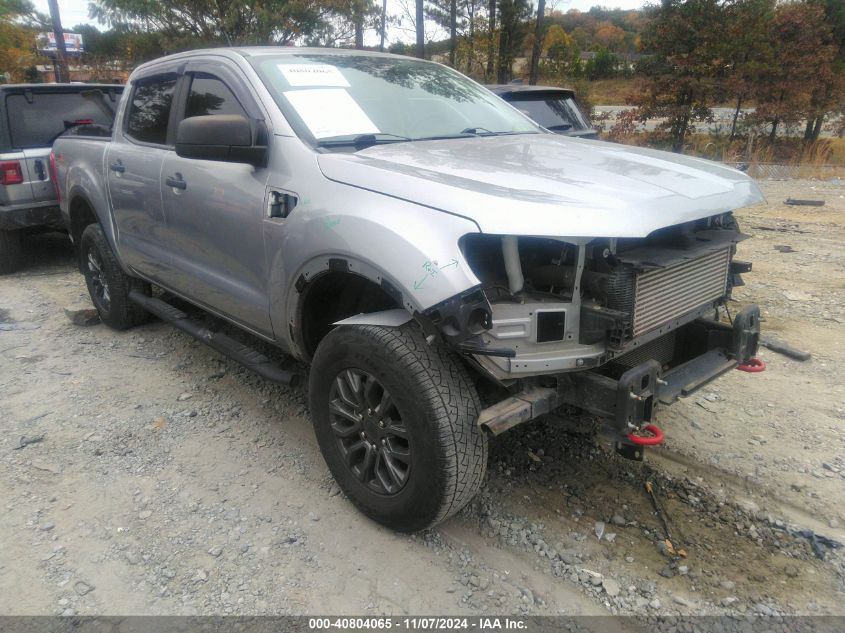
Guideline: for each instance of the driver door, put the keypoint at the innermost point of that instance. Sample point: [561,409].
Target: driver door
[215,211]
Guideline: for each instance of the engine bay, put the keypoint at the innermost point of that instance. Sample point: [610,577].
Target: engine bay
[562,305]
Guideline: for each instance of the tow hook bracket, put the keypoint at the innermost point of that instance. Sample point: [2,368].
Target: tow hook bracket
[633,447]
[629,451]
[746,333]
[635,395]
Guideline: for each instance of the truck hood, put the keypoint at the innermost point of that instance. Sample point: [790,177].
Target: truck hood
[546,184]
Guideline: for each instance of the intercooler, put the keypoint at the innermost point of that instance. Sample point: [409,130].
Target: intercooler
[661,295]
[657,296]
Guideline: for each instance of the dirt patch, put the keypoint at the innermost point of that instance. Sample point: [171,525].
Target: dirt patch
[171,481]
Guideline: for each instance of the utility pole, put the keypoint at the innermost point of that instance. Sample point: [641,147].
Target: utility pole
[419,51]
[61,70]
[491,29]
[453,32]
[383,24]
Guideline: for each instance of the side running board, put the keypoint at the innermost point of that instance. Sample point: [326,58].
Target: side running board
[243,354]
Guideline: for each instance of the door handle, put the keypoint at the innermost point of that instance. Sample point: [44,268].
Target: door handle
[40,172]
[117,167]
[176,181]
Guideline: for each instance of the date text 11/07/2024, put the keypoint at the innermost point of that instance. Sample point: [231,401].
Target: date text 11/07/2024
[419,623]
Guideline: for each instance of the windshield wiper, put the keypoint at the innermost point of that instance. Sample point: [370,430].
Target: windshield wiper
[361,141]
[477,131]
[512,133]
[470,132]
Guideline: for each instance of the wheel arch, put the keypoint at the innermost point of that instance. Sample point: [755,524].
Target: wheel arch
[82,210]
[80,215]
[333,288]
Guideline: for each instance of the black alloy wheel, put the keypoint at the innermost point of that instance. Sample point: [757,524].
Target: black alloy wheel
[369,431]
[99,283]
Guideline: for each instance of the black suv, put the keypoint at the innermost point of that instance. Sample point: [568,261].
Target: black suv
[553,108]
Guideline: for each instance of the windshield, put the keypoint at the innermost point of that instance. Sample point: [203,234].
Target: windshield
[335,98]
[552,111]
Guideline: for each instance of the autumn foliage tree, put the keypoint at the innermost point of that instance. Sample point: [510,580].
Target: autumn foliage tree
[609,36]
[751,52]
[513,18]
[19,23]
[828,90]
[799,67]
[188,23]
[785,57]
[681,77]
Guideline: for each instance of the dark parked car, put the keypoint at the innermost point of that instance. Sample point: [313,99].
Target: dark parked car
[553,108]
[32,116]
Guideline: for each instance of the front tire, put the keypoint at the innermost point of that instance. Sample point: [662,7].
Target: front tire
[107,284]
[11,251]
[395,418]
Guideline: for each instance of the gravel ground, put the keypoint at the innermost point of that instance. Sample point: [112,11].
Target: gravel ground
[142,473]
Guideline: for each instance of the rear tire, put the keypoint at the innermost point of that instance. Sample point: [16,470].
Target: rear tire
[11,251]
[108,285]
[415,418]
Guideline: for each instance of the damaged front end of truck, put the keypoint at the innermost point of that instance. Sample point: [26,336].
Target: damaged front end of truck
[611,328]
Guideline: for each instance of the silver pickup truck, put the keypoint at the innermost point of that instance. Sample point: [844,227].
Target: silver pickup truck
[31,117]
[445,268]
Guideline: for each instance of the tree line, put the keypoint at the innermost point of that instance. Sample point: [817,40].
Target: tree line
[785,59]
[483,38]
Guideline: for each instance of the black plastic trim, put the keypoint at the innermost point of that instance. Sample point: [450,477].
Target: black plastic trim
[247,356]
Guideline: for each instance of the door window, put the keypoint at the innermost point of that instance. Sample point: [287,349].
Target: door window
[209,95]
[150,109]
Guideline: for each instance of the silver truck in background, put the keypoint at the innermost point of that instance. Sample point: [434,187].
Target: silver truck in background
[445,267]
[32,116]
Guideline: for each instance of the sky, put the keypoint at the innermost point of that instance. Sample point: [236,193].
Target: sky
[76,11]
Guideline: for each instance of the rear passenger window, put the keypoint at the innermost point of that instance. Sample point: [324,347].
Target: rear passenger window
[150,109]
[209,95]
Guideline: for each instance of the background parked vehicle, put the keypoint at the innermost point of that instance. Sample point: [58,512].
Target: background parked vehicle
[32,116]
[553,108]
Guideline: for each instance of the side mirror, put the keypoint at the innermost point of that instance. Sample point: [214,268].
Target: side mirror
[225,137]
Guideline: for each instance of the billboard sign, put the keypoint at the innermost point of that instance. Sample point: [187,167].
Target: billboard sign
[47,42]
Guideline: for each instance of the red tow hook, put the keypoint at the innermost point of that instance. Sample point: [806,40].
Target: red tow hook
[752,366]
[654,439]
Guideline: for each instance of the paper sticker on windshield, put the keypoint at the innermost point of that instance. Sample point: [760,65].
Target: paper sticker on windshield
[313,75]
[330,112]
